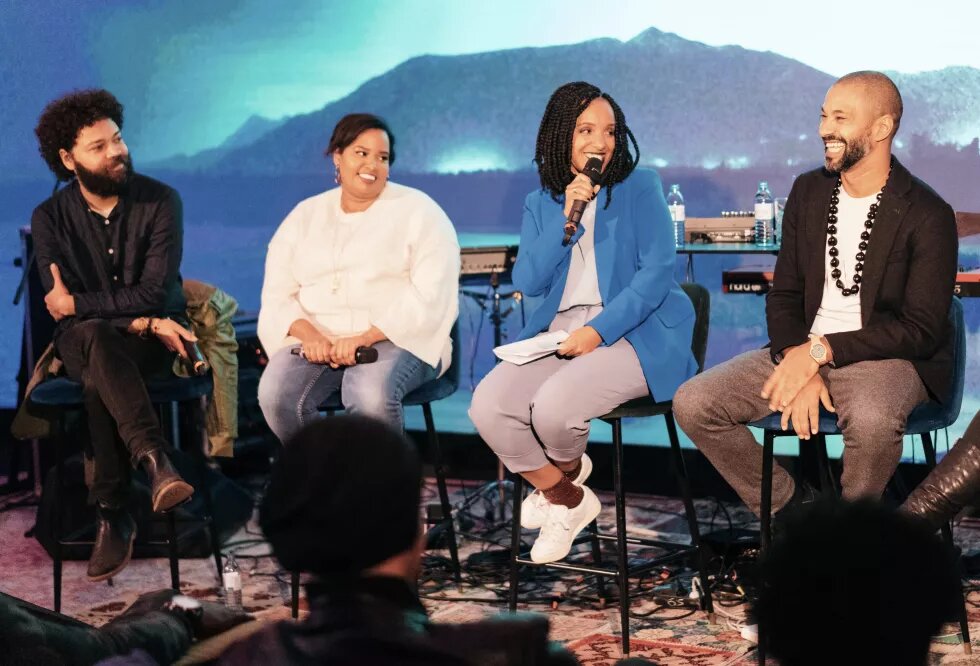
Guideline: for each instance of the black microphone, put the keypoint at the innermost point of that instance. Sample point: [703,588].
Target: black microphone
[361,354]
[195,362]
[593,169]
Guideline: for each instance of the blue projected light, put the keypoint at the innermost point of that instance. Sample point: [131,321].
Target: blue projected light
[469,159]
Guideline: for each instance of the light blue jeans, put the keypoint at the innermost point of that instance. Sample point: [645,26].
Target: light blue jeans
[292,388]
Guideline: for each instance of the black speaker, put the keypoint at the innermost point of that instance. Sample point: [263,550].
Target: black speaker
[231,503]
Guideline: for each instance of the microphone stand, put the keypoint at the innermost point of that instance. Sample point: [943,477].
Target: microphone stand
[496,316]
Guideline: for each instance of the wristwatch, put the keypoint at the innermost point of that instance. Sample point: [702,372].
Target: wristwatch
[818,350]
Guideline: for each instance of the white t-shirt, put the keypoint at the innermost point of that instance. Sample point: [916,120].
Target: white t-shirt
[394,266]
[582,284]
[839,313]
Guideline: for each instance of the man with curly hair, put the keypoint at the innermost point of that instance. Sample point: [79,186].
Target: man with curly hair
[108,248]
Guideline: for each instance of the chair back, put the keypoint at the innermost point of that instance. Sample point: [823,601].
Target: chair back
[958,325]
[701,299]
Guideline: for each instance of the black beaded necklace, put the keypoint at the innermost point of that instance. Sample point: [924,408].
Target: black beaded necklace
[862,246]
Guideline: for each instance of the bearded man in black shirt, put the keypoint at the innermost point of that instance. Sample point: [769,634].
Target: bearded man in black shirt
[108,248]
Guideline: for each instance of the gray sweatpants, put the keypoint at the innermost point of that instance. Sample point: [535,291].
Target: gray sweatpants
[873,400]
[530,413]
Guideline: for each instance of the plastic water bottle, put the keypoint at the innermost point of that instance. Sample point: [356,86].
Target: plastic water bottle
[765,216]
[675,202]
[231,580]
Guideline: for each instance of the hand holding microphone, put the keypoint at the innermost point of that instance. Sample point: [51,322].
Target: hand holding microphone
[347,351]
[195,362]
[580,194]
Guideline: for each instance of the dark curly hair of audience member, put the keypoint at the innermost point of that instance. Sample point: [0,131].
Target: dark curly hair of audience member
[65,117]
[855,583]
[553,153]
[352,125]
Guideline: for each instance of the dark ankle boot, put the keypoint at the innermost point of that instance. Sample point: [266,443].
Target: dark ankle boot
[115,533]
[166,487]
[949,487]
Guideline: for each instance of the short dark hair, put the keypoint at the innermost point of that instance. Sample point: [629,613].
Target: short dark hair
[352,126]
[553,149]
[855,583]
[347,470]
[65,117]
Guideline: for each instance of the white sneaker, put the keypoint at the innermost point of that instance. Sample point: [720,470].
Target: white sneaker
[534,508]
[562,526]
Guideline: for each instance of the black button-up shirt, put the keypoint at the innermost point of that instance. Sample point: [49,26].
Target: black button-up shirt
[119,267]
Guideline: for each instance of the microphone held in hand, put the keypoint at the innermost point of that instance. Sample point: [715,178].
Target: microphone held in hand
[361,354]
[592,169]
[195,362]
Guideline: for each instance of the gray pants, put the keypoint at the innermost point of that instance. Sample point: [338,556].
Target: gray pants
[873,400]
[531,413]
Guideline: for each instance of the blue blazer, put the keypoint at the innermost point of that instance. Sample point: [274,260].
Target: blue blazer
[635,259]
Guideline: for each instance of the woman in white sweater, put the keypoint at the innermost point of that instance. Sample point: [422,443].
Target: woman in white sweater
[367,264]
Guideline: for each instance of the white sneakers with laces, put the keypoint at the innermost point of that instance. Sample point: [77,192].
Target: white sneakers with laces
[534,508]
[562,525]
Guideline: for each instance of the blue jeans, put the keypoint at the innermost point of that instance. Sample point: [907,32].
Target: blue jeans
[292,388]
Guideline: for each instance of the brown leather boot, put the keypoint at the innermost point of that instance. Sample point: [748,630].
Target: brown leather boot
[167,488]
[115,533]
[950,486]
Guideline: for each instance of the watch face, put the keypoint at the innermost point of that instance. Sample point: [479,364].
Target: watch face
[818,351]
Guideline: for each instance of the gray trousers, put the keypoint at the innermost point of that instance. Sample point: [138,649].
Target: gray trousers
[541,410]
[873,400]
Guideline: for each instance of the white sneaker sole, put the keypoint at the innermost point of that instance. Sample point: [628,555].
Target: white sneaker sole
[534,519]
[592,509]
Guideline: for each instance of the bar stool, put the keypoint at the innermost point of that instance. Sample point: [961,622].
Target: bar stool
[63,395]
[423,396]
[924,419]
[641,407]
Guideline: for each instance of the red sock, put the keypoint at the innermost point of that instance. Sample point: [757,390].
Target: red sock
[564,492]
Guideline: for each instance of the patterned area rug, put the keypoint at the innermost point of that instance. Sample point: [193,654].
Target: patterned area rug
[665,626]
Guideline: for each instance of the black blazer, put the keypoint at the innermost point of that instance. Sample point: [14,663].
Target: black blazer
[907,285]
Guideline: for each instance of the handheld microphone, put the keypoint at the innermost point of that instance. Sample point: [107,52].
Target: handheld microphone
[361,354]
[592,169]
[195,362]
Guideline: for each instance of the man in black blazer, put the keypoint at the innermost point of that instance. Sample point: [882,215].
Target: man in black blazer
[858,312]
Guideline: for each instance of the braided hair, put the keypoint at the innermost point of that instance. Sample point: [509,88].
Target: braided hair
[553,150]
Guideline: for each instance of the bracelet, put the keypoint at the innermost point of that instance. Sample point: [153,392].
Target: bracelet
[141,326]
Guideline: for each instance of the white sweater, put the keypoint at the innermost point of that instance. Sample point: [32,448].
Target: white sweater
[394,266]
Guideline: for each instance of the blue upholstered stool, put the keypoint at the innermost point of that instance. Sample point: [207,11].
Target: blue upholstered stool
[924,419]
[63,395]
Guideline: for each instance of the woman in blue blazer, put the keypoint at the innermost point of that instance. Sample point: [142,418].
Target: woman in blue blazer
[611,289]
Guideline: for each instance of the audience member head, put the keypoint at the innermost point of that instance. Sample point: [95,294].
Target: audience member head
[79,135]
[343,501]
[581,121]
[855,583]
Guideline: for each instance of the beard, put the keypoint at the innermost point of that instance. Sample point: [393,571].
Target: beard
[854,152]
[104,183]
